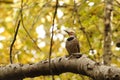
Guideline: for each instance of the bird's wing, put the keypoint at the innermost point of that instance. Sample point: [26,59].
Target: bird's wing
[78,47]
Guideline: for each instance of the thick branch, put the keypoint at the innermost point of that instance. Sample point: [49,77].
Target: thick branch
[79,65]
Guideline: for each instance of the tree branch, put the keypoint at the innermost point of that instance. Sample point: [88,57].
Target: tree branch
[12,44]
[107,33]
[79,65]
[51,40]
[82,28]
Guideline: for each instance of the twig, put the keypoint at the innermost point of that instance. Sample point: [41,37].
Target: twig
[11,46]
[82,28]
[26,29]
[51,42]
[117,2]
[21,20]
[31,27]
[15,35]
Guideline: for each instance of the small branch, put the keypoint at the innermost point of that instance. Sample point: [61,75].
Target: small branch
[11,46]
[26,29]
[16,32]
[51,42]
[117,2]
[82,27]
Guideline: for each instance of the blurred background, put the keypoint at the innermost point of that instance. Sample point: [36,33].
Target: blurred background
[33,39]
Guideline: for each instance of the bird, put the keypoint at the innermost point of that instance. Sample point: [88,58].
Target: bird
[72,44]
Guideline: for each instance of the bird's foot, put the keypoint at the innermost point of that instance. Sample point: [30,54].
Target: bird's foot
[75,55]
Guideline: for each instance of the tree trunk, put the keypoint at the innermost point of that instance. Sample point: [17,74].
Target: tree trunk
[107,33]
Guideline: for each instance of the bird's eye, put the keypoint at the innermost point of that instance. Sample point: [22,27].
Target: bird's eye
[71,33]
[71,38]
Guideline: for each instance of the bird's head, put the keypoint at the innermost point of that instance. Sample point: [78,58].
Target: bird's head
[70,33]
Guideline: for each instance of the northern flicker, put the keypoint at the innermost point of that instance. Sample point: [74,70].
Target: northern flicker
[72,44]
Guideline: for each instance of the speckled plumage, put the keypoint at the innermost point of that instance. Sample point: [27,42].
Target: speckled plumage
[72,45]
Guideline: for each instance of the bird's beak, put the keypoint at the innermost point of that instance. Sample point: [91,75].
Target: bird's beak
[66,31]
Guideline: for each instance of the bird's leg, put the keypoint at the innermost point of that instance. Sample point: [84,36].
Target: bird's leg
[74,55]
[77,55]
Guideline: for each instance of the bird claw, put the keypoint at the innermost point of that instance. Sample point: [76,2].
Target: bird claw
[75,55]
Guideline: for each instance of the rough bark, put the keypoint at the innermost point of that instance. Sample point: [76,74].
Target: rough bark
[75,64]
[107,33]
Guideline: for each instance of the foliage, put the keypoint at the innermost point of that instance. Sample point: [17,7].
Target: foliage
[37,18]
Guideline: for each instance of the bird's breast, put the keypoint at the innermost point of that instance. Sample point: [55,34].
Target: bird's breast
[71,41]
